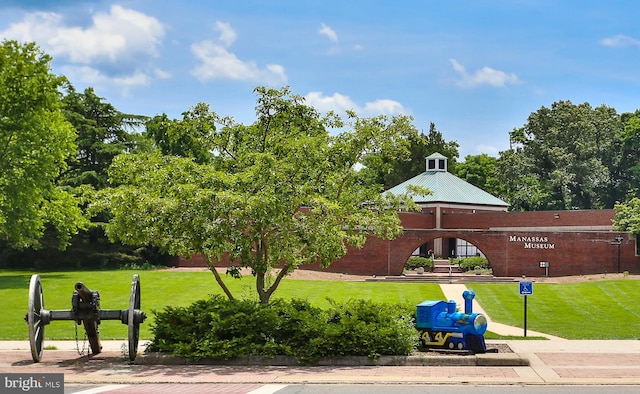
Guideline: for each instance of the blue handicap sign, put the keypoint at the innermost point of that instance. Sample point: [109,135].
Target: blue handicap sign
[526,287]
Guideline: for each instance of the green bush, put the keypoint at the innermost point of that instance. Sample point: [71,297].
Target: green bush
[470,263]
[88,250]
[221,329]
[415,261]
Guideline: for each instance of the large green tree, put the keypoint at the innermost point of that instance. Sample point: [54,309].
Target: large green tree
[628,176]
[627,217]
[190,136]
[391,167]
[480,170]
[278,193]
[520,186]
[564,157]
[35,142]
[103,132]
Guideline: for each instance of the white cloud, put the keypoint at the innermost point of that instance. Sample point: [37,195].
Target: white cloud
[336,48]
[84,74]
[329,32]
[227,34]
[337,102]
[384,106]
[620,41]
[340,103]
[117,47]
[92,76]
[216,62]
[161,74]
[483,76]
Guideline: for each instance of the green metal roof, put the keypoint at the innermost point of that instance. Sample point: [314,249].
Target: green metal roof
[447,187]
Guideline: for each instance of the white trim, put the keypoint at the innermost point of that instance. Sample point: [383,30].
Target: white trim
[554,228]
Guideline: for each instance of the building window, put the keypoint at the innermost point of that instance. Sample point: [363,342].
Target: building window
[466,249]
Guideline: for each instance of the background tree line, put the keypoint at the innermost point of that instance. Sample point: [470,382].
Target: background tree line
[567,156]
[57,145]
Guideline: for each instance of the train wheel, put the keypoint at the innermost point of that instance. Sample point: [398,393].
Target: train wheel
[460,346]
[425,338]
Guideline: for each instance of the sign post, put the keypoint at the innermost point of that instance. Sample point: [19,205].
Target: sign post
[545,265]
[526,288]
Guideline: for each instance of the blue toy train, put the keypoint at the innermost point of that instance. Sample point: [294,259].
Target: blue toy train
[442,326]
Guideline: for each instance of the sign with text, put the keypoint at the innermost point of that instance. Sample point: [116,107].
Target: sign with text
[533,242]
[44,383]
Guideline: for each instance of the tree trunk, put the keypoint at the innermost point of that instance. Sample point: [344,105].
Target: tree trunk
[262,293]
[265,294]
[224,287]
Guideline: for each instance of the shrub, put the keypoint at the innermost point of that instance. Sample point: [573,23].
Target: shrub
[221,329]
[470,263]
[415,261]
[216,328]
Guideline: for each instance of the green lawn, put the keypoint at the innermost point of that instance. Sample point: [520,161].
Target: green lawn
[588,310]
[162,288]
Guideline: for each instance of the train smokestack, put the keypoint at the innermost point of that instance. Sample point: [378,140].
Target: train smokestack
[468,296]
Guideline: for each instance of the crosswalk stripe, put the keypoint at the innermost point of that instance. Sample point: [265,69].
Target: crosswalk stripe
[268,389]
[102,389]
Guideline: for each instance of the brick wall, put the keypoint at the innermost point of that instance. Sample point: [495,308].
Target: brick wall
[455,219]
[510,251]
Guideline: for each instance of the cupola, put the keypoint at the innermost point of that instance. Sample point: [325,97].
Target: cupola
[436,162]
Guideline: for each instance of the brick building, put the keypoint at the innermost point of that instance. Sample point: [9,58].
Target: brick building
[459,219]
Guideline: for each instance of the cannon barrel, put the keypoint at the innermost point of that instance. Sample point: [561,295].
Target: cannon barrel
[85,294]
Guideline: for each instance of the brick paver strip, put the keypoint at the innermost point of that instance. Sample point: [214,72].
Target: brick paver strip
[587,359]
[596,373]
[186,389]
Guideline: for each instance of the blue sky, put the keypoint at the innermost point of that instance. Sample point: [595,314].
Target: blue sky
[477,69]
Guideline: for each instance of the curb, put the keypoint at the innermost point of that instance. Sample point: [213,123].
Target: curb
[480,360]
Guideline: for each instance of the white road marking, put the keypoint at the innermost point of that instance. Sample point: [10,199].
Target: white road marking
[102,389]
[268,389]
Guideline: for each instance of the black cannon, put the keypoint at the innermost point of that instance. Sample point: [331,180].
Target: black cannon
[85,305]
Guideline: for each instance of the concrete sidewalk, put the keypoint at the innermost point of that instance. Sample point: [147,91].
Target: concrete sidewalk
[554,362]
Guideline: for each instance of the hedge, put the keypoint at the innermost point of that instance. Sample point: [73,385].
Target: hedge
[217,328]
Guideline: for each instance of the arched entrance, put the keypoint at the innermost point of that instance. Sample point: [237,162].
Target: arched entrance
[414,240]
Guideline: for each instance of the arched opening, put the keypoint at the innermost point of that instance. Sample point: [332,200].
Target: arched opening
[450,252]
[424,250]
[470,258]
[446,248]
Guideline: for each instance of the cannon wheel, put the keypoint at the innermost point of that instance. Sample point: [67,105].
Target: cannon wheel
[134,327]
[34,318]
